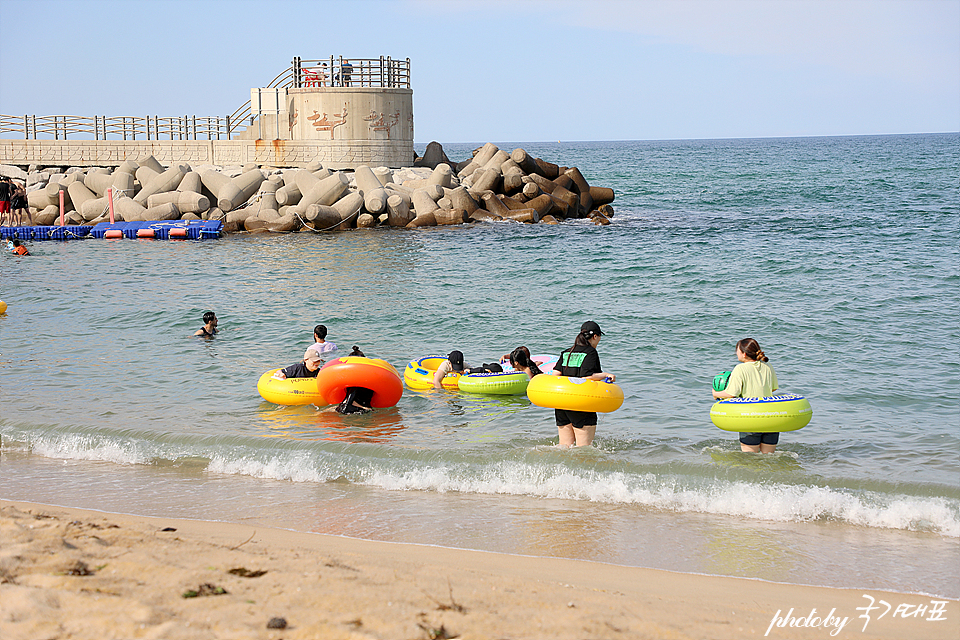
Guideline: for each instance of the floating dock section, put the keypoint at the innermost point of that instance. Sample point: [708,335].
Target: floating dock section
[157,229]
[69,232]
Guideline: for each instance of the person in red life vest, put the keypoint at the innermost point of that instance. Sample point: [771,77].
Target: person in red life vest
[19,249]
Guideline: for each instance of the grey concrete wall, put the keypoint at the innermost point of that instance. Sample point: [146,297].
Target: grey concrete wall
[334,154]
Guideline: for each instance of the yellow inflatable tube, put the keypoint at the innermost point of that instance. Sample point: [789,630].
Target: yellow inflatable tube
[787,412]
[419,374]
[291,391]
[574,394]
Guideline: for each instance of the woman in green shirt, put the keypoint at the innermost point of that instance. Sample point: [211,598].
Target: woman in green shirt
[753,378]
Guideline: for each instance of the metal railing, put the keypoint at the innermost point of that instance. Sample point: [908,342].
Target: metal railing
[118,127]
[351,72]
[328,72]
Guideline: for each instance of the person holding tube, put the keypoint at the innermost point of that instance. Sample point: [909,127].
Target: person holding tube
[752,378]
[578,428]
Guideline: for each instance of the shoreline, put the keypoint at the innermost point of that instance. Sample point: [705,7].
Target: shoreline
[337,587]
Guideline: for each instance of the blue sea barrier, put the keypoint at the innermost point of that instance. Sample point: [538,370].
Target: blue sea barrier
[70,232]
[196,229]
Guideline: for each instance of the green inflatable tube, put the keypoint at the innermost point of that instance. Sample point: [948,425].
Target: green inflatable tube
[787,412]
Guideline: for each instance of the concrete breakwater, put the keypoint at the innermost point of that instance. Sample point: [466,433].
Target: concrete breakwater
[492,185]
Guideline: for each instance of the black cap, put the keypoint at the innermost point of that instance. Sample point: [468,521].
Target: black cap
[456,359]
[592,328]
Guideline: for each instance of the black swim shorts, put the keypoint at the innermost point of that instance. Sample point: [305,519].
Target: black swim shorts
[753,439]
[579,419]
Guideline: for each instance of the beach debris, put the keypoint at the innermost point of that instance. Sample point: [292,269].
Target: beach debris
[436,633]
[492,186]
[235,547]
[205,589]
[442,606]
[277,623]
[336,564]
[168,529]
[243,572]
[79,568]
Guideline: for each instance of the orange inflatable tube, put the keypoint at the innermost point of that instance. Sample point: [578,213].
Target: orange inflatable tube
[370,373]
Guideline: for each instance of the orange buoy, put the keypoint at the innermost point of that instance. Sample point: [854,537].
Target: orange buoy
[144,233]
[113,233]
[178,232]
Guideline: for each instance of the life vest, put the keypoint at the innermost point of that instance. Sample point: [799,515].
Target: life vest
[21,250]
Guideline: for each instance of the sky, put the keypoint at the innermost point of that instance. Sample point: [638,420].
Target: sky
[518,70]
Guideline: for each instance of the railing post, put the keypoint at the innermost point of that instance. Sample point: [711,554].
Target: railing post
[228,129]
[26,127]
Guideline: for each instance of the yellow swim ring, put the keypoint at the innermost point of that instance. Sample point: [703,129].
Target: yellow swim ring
[3,307]
[419,374]
[772,414]
[291,391]
[574,394]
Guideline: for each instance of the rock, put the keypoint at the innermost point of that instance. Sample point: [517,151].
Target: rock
[433,156]
[48,216]
[423,220]
[450,216]
[11,171]
[398,211]
[151,163]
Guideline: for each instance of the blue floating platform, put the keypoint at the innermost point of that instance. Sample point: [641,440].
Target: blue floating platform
[195,229]
[69,232]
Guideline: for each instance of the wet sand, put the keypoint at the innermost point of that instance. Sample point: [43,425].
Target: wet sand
[72,573]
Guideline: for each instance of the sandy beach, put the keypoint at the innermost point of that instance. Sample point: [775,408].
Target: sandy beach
[71,573]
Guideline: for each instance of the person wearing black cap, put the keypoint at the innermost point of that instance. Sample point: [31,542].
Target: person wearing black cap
[453,364]
[578,428]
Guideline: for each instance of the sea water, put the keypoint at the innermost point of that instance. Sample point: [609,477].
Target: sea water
[839,255]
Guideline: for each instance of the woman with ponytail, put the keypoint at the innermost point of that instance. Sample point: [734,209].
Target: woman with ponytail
[578,428]
[753,378]
[520,360]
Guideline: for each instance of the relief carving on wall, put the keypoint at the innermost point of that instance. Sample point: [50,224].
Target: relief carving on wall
[379,123]
[321,123]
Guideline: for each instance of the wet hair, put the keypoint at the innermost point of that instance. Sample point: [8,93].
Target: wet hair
[209,316]
[320,331]
[751,349]
[520,357]
[356,353]
[16,242]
